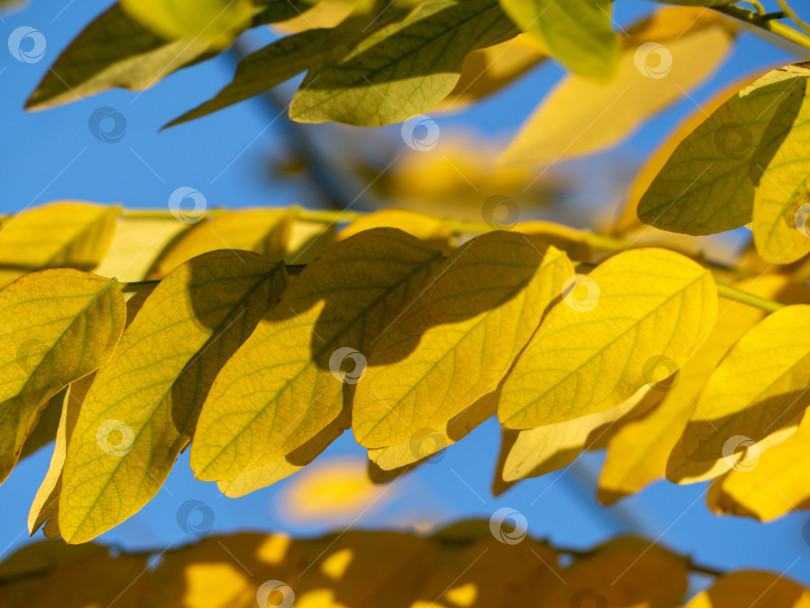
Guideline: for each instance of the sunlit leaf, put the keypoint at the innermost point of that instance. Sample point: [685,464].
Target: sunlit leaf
[490,69]
[603,341]
[59,325]
[744,161]
[288,377]
[647,447]
[761,386]
[142,407]
[576,32]
[455,341]
[430,229]
[214,21]
[667,55]
[263,231]
[535,452]
[264,69]
[402,69]
[73,235]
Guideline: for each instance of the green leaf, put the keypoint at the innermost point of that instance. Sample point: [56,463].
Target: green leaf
[142,407]
[59,325]
[116,50]
[113,51]
[456,339]
[577,32]
[745,161]
[285,384]
[402,69]
[637,314]
[264,69]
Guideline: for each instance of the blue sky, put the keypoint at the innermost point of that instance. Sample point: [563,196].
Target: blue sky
[52,155]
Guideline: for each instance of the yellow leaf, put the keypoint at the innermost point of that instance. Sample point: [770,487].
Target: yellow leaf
[366,570]
[646,448]
[456,339]
[276,470]
[769,484]
[45,427]
[490,69]
[623,573]
[424,445]
[263,231]
[45,508]
[333,491]
[670,53]
[225,571]
[89,581]
[214,21]
[535,452]
[600,343]
[67,234]
[428,228]
[136,246]
[288,377]
[142,407]
[741,588]
[59,325]
[760,387]
[491,573]
[308,240]
[324,14]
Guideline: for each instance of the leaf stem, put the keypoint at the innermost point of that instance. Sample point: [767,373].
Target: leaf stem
[767,22]
[738,295]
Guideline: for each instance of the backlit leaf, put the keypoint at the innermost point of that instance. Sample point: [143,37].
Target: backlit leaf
[73,235]
[285,384]
[142,407]
[58,325]
[455,341]
[761,386]
[733,163]
[402,69]
[263,231]
[669,54]
[647,447]
[608,335]
[576,32]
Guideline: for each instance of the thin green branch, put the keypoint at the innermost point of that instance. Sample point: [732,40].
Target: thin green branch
[788,10]
[769,23]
